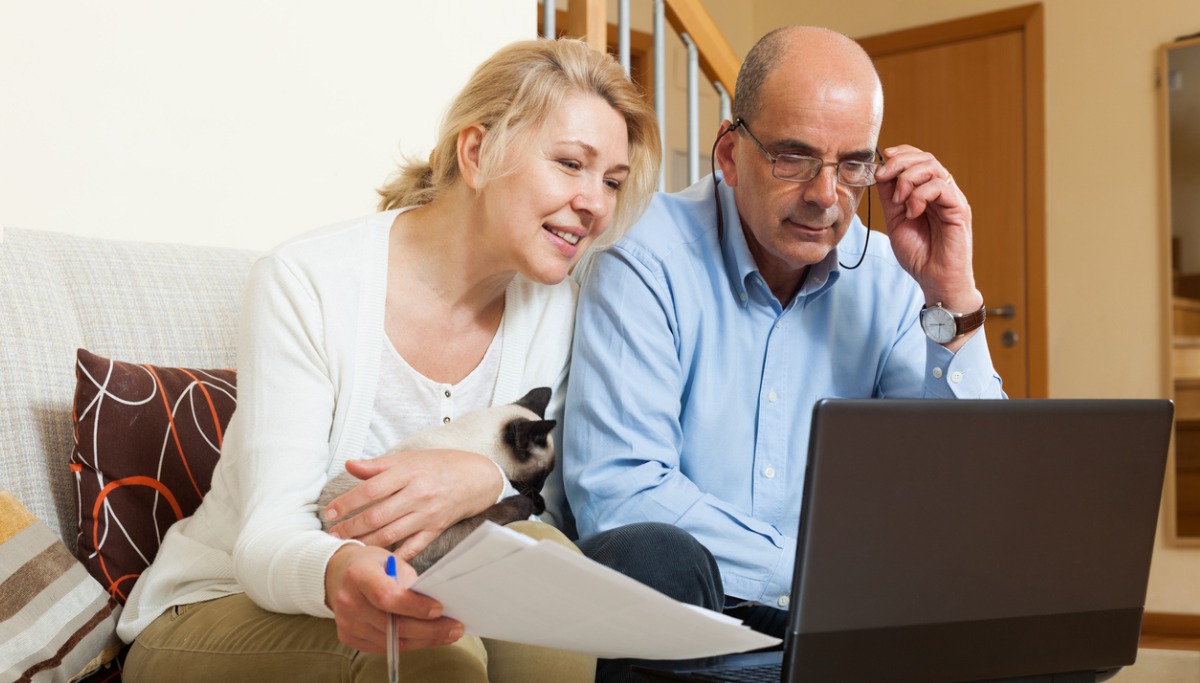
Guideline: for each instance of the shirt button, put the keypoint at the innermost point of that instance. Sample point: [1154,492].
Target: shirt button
[772,397]
[769,472]
[445,420]
[784,601]
[447,393]
[778,324]
[956,377]
[743,296]
[937,373]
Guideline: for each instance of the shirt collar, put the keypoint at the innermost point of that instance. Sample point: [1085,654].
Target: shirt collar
[741,268]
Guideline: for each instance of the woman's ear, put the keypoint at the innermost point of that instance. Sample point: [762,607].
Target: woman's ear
[470,142]
[726,144]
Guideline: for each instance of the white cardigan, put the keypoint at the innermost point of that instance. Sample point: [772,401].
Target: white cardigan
[309,347]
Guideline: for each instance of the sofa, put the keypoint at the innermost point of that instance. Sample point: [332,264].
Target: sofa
[159,304]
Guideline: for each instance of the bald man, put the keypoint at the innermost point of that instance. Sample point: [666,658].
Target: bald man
[706,335]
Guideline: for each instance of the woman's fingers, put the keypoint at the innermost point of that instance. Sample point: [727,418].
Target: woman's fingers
[413,492]
[362,597]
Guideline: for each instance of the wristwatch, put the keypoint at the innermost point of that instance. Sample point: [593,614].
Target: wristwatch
[943,325]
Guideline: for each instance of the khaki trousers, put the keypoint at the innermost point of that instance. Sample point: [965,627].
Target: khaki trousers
[232,639]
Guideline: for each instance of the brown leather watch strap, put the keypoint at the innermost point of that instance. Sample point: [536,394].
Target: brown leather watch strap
[966,322]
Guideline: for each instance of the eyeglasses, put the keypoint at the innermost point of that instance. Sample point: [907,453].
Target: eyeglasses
[796,168]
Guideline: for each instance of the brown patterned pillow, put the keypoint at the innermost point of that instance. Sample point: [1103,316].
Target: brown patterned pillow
[146,441]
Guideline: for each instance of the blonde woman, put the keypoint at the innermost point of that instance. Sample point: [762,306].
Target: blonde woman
[454,297]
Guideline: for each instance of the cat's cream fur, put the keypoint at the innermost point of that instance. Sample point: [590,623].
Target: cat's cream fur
[515,436]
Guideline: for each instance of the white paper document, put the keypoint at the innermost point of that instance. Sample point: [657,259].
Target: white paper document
[504,585]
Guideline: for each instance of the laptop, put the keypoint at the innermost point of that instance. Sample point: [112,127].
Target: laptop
[945,541]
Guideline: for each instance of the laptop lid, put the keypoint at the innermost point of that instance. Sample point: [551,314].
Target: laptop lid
[950,541]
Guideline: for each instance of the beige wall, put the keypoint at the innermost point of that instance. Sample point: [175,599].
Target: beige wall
[1106,315]
[224,122]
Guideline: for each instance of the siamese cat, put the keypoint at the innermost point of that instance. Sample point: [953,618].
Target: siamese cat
[515,436]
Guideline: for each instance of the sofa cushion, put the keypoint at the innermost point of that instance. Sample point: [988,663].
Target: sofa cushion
[56,622]
[146,441]
[169,304]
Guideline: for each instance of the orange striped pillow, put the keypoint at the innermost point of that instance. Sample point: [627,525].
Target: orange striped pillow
[146,441]
[56,622]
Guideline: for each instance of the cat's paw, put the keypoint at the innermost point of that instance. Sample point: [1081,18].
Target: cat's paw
[513,508]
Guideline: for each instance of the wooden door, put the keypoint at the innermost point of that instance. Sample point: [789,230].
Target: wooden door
[966,98]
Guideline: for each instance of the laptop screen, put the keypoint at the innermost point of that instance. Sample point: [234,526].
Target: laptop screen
[973,540]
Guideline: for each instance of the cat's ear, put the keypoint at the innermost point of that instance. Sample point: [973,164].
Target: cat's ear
[524,434]
[539,431]
[536,400]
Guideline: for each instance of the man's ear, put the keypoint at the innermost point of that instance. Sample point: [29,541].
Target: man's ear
[725,149]
[470,142]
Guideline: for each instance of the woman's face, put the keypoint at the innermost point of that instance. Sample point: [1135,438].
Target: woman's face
[561,191]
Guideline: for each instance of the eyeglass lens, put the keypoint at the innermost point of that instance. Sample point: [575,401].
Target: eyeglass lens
[802,169]
[854,173]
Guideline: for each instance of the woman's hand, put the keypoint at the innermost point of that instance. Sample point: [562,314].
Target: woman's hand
[362,596]
[416,495]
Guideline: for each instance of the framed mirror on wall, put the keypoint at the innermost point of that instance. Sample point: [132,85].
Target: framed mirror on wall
[1179,106]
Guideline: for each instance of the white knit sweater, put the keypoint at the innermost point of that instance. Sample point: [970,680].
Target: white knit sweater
[309,349]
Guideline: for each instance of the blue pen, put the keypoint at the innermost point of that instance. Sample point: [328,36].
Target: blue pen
[393,645]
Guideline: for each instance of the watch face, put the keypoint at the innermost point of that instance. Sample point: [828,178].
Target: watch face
[938,324]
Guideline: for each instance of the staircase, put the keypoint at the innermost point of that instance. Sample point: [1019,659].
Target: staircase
[685,20]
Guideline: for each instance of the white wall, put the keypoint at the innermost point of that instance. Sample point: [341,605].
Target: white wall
[225,122]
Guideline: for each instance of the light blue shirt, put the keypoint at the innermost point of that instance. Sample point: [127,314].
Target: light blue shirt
[691,388]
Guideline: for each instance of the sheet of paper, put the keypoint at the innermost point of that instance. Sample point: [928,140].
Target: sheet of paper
[544,594]
[484,546]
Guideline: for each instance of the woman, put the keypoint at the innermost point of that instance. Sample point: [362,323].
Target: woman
[452,298]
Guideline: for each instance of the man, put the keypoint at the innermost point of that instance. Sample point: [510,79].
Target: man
[705,336]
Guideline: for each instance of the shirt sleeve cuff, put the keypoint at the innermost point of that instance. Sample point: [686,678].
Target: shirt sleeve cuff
[309,574]
[966,374]
[779,586]
[507,489]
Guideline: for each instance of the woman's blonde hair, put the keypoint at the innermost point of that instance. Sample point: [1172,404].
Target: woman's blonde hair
[514,92]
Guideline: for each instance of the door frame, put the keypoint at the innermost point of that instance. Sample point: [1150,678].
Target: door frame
[1029,20]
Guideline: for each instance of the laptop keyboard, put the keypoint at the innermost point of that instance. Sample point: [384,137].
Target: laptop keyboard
[763,673]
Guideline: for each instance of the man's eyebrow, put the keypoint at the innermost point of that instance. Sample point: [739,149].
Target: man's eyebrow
[804,149]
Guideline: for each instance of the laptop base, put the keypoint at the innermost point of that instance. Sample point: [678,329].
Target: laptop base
[687,672]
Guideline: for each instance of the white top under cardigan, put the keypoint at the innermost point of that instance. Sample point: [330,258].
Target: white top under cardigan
[308,360]
[408,402]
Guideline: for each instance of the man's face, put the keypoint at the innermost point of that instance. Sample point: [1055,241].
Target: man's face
[790,226]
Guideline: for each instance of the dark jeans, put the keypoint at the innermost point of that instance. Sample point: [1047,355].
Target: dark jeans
[671,561]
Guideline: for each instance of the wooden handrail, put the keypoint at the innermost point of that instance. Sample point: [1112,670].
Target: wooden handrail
[717,59]
[587,19]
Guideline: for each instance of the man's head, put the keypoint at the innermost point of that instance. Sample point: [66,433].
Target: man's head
[811,92]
